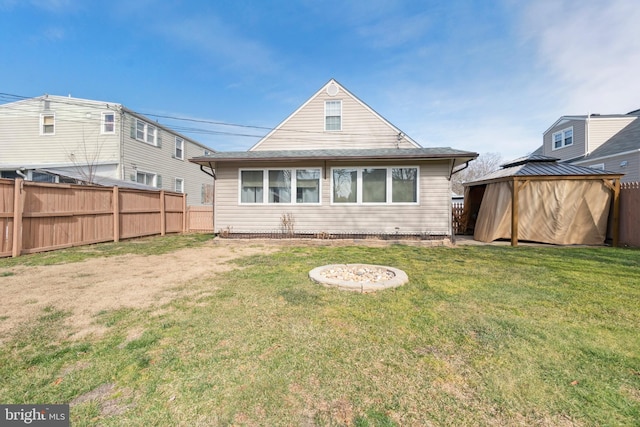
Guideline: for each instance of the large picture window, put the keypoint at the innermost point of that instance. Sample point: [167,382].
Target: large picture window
[375,185]
[251,187]
[280,186]
[404,184]
[308,186]
[277,186]
[345,185]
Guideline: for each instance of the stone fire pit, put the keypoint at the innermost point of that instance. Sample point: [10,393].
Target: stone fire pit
[358,277]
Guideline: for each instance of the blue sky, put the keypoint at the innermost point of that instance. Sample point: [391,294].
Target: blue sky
[485,76]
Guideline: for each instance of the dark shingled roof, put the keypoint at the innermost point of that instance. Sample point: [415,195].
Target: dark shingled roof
[539,166]
[350,154]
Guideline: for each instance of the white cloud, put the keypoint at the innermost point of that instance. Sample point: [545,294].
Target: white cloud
[592,48]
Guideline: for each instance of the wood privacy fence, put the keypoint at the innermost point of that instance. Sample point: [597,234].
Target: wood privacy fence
[37,217]
[630,214]
[200,219]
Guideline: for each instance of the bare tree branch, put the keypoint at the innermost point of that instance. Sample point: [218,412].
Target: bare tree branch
[484,164]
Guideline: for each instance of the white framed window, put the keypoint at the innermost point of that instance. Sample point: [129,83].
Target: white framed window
[147,178]
[375,185]
[562,138]
[47,124]
[108,123]
[333,115]
[146,132]
[179,185]
[179,149]
[280,186]
[599,166]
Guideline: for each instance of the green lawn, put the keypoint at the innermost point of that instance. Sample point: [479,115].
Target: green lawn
[479,336]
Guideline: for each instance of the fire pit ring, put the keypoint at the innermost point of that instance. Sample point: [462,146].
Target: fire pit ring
[358,277]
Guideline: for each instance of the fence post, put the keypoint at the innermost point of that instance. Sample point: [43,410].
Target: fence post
[18,206]
[116,214]
[163,214]
[616,212]
[184,213]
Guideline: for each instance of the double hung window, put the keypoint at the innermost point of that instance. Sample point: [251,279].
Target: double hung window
[108,123]
[179,151]
[47,124]
[146,132]
[562,138]
[333,115]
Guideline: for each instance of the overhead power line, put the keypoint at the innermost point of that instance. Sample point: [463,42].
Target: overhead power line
[293,134]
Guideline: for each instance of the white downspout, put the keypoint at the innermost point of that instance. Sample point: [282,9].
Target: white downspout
[586,135]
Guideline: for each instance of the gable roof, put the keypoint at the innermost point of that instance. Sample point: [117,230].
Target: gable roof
[333,87]
[541,167]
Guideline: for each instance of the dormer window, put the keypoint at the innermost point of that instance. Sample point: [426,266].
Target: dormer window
[562,138]
[332,115]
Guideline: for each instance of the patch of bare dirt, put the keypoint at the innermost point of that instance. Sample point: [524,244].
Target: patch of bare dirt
[132,281]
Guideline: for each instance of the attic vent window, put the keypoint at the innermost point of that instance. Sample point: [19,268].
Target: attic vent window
[332,89]
[333,115]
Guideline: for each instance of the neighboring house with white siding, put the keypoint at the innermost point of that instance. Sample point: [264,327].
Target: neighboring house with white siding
[608,142]
[64,139]
[335,166]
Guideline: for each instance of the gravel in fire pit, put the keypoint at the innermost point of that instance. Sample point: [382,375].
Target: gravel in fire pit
[358,274]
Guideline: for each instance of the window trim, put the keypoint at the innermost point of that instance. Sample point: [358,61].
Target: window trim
[326,102]
[598,166]
[175,185]
[42,116]
[155,177]
[145,133]
[265,187]
[389,190]
[175,148]
[563,138]
[103,123]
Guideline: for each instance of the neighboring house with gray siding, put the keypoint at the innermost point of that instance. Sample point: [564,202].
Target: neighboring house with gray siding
[64,139]
[335,166]
[607,142]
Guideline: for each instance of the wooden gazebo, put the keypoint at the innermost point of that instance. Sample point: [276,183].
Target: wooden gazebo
[537,199]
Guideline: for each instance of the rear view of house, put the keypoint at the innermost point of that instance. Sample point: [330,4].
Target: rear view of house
[335,166]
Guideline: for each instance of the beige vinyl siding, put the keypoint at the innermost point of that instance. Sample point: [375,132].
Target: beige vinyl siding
[160,161]
[76,140]
[431,215]
[602,129]
[577,149]
[361,128]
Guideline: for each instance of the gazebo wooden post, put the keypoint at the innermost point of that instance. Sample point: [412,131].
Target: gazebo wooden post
[514,212]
